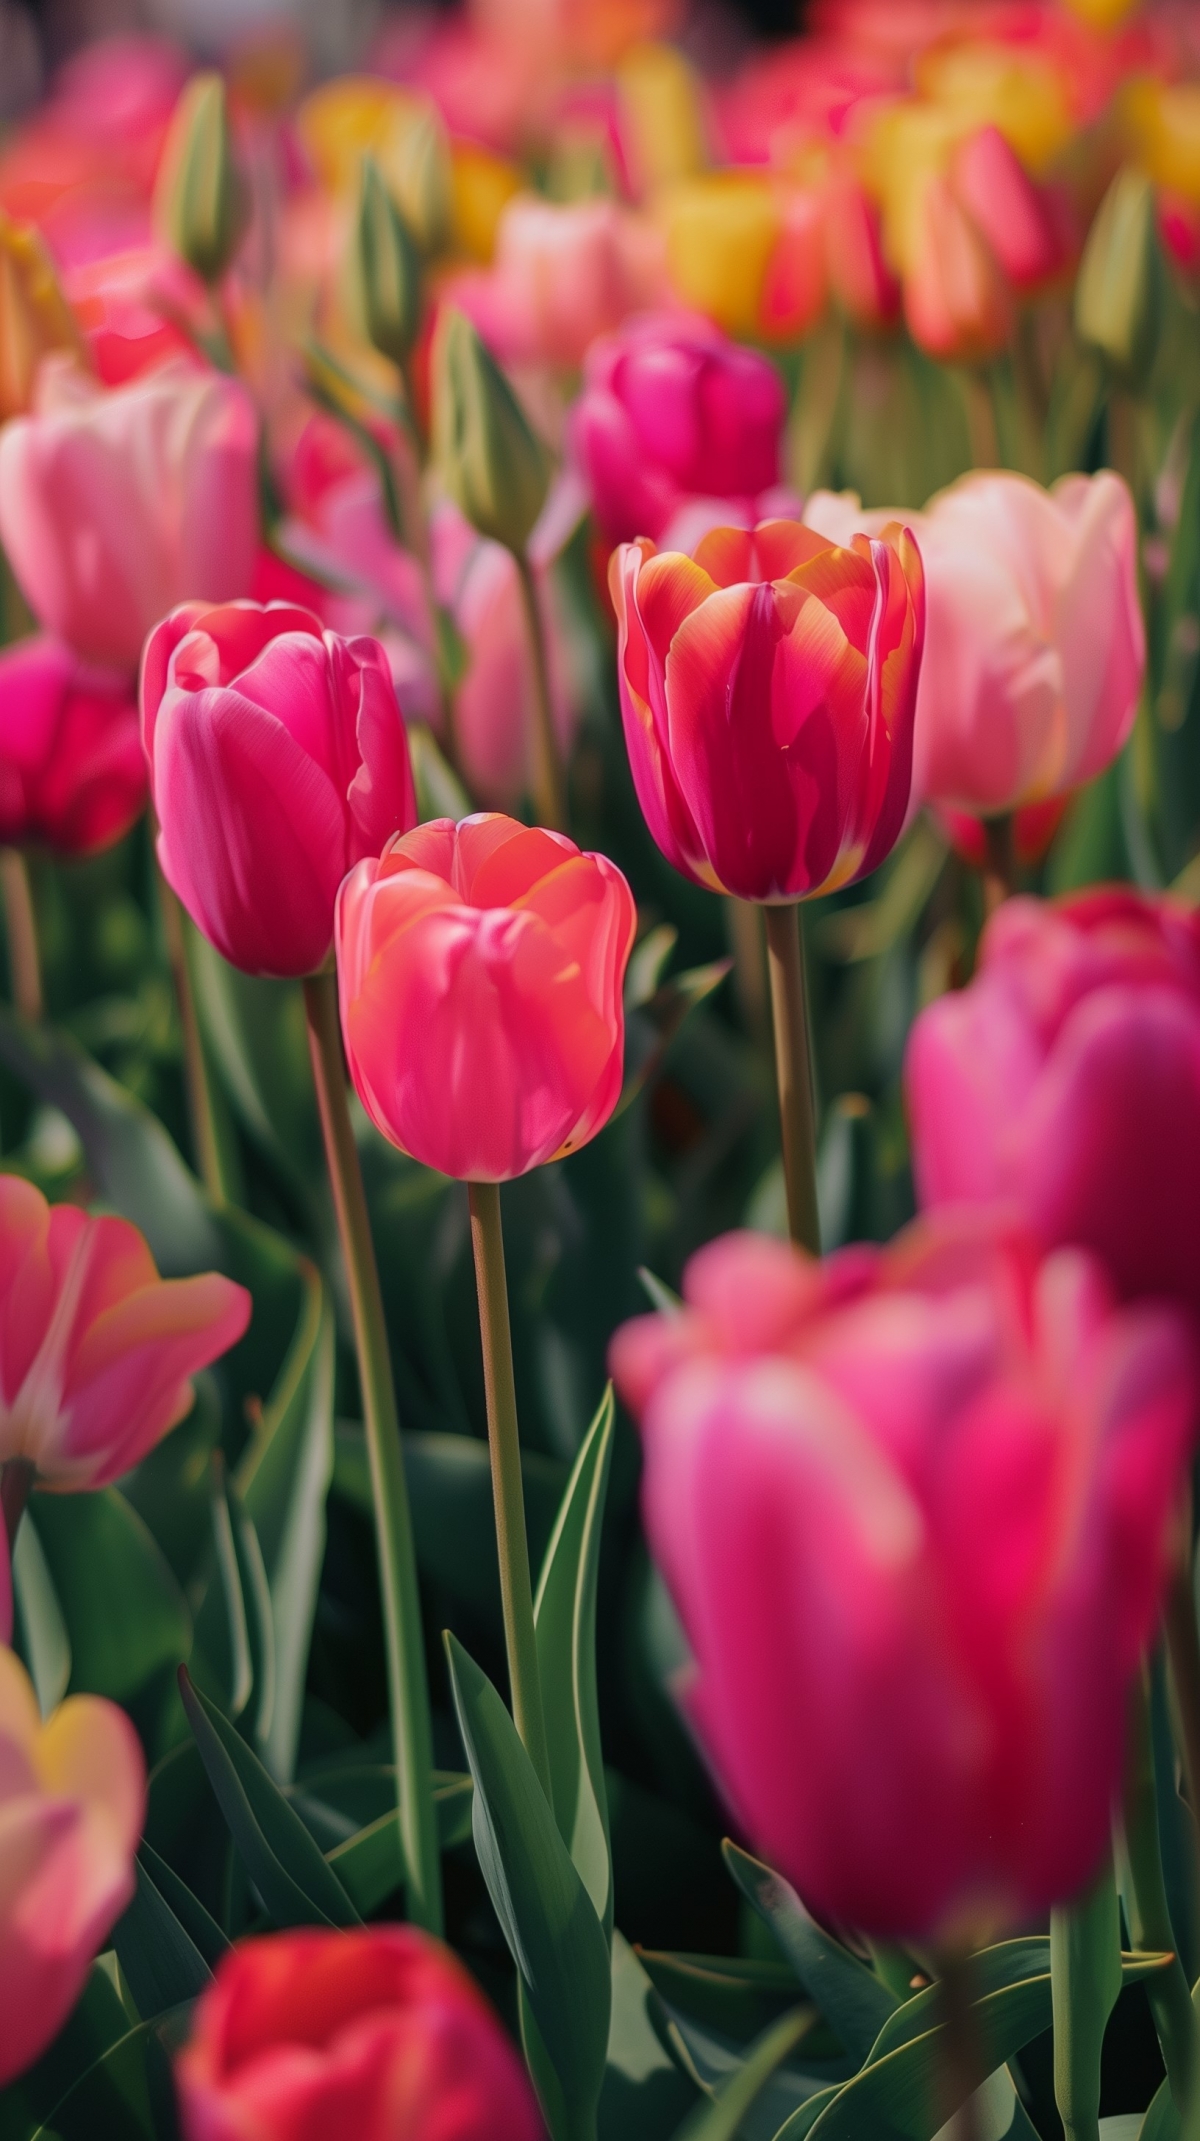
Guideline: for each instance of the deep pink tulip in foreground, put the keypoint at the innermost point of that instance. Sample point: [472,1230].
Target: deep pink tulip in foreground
[767,688]
[913,1506]
[1066,1080]
[72,1800]
[480,968]
[72,773]
[373,2035]
[278,759]
[96,1351]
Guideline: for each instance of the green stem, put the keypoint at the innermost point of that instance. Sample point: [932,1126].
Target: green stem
[1183,1654]
[408,1688]
[749,966]
[16,1482]
[516,1590]
[793,1070]
[961,2063]
[202,1111]
[24,964]
[1146,1906]
[548,793]
[1085,1980]
[1000,860]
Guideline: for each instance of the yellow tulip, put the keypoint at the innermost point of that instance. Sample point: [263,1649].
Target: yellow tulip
[1162,122]
[34,315]
[1019,90]
[720,232]
[481,186]
[663,119]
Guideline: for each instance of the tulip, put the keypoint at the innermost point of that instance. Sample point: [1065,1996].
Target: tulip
[136,307]
[374,2033]
[34,316]
[1007,209]
[1034,643]
[495,469]
[915,1509]
[722,229]
[200,195]
[860,278]
[72,774]
[563,274]
[389,269]
[1066,1080]
[956,301]
[72,1802]
[480,970]
[671,410]
[1118,291]
[278,759]
[116,506]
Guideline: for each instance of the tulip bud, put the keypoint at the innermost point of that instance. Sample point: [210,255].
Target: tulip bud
[493,466]
[418,167]
[1118,296]
[389,268]
[34,315]
[201,196]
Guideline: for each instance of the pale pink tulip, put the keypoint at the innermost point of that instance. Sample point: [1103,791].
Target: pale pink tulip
[563,274]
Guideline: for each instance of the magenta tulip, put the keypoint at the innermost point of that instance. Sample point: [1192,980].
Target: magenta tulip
[72,773]
[915,1509]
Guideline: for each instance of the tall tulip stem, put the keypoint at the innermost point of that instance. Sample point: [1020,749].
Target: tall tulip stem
[16,1482]
[1183,1651]
[962,2069]
[24,963]
[793,1070]
[549,794]
[408,1687]
[202,1111]
[516,1589]
[1000,860]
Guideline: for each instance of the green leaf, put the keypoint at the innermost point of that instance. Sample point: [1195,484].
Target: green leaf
[720,2120]
[1085,1973]
[545,1913]
[286,1866]
[645,2094]
[1161,2122]
[367,1862]
[852,1999]
[40,1628]
[125,1615]
[162,1965]
[565,1621]
[203,1932]
[651,1028]
[735,1995]
[126,2095]
[254,1030]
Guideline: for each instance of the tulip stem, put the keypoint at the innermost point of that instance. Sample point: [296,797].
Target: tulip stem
[793,1070]
[408,1686]
[16,1482]
[202,1111]
[1000,860]
[516,1589]
[24,963]
[548,792]
[1183,1651]
[962,2068]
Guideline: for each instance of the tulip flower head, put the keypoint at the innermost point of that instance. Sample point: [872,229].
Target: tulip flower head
[278,759]
[72,1800]
[480,969]
[767,685]
[96,1351]
[914,1506]
[72,774]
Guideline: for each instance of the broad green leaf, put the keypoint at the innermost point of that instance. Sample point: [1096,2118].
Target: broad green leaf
[125,1615]
[127,2094]
[366,1863]
[161,1963]
[721,2120]
[240,1679]
[545,1913]
[1144,1895]
[41,1631]
[203,1932]
[256,1034]
[565,1620]
[1085,1974]
[852,1999]
[1161,2122]
[645,2094]
[736,1995]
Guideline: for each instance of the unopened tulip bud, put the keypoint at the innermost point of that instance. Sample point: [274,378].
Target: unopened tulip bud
[389,268]
[419,170]
[201,193]
[1118,295]
[34,315]
[493,466]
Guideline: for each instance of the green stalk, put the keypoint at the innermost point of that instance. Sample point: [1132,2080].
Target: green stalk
[961,2068]
[793,1070]
[516,1590]
[207,1141]
[16,1482]
[408,1688]
[548,790]
[1146,1907]
[1085,1979]
[24,963]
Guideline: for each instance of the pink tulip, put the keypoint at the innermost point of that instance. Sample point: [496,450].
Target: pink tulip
[278,759]
[672,410]
[956,301]
[859,276]
[376,2034]
[1066,1080]
[914,1507]
[72,1802]
[1034,644]
[96,1351]
[130,304]
[116,506]
[797,280]
[767,689]
[72,774]
[563,274]
[480,968]
[1016,219]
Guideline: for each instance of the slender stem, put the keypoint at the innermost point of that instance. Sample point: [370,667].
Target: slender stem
[516,1590]
[962,2069]
[202,1113]
[548,792]
[24,964]
[408,1688]
[16,1482]
[749,966]
[793,1070]
[1183,1652]
[981,419]
[1000,860]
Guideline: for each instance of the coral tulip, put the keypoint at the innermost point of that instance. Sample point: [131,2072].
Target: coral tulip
[72,773]
[956,301]
[72,1800]
[672,410]
[767,689]
[563,274]
[915,1509]
[96,1351]
[1008,210]
[1034,644]
[480,969]
[1066,1079]
[116,506]
[370,2034]
[278,759]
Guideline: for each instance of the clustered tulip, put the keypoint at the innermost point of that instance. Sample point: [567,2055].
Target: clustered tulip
[72,774]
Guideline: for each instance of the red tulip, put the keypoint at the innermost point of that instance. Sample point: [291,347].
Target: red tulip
[1010,212]
[372,2035]
[915,1508]
[278,759]
[480,968]
[767,689]
[72,773]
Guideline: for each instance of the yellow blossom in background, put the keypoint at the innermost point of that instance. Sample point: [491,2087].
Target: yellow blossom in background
[663,117]
[721,230]
[1103,14]
[345,118]
[1018,89]
[1162,123]
[481,186]
[909,144]
[34,315]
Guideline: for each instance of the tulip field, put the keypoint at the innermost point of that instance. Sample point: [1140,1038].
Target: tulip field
[600,1071]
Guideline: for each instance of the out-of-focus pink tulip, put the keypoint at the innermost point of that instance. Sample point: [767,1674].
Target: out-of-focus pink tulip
[767,690]
[72,773]
[133,307]
[956,301]
[563,274]
[480,968]
[1009,211]
[376,2033]
[672,410]
[116,506]
[1066,1079]
[72,1802]
[1033,829]
[96,1351]
[859,276]
[796,283]
[278,759]
[914,1507]
[1034,644]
